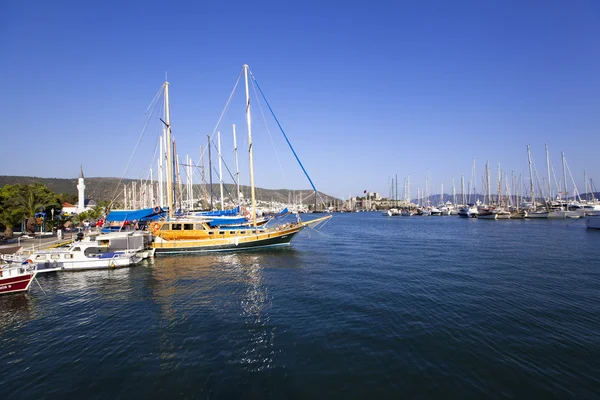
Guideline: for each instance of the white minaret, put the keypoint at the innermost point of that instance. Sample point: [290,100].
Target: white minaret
[81,191]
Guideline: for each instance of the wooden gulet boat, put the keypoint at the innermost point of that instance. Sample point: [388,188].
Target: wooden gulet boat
[189,235]
[175,237]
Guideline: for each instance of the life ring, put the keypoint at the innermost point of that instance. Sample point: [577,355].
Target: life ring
[29,261]
[156,209]
[247,216]
[155,226]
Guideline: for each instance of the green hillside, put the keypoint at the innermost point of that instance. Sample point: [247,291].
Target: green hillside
[100,189]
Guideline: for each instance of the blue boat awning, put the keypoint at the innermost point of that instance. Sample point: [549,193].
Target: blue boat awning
[146,214]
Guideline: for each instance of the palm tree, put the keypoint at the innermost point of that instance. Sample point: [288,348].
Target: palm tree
[33,201]
[10,217]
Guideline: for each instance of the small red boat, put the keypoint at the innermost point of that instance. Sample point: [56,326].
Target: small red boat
[16,277]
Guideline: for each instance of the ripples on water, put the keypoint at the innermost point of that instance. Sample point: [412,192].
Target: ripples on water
[435,307]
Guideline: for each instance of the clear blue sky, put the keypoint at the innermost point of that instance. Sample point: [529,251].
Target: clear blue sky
[365,90]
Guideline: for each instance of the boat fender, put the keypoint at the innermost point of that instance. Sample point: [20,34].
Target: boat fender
[155,226]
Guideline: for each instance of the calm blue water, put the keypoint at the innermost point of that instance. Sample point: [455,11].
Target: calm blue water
[374,307]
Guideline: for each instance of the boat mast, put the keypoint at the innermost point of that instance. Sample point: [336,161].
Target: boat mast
[396,191]
[499,185]
[453,193]
[462,188]
[249,123]
[531,192]
[562,154]
[177,176]
[169,154]
[210,173]
[548,170]
[408,190]
[220,169]
[203,177]
[161,189]
[237,168]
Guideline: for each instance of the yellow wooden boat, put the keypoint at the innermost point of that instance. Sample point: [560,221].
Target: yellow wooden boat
[189,236]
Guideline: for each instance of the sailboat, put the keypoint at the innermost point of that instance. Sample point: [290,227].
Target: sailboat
[196,235]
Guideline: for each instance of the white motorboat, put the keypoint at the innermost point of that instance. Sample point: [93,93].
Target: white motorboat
[80,255]
[592,220]
[468,212]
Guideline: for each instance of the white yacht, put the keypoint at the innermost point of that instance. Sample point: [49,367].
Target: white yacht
[592,220]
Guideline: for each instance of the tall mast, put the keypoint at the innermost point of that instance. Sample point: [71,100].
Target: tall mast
[462,188]
[474,181]
[237,168]
[152,201]
[161,189]
[453,193]
[210,173]
[203,176]
[177,176]
[249,123]
[220,169]
[499,185]
[531,192]
[548,168]
[562,154]
[169,153]
[585,185]
[396,191]
[488,183]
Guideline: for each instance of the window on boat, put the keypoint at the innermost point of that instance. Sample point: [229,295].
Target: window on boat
[188,227]
[77,249]
[165,227]
[176,227]
[242,232]
[199,227]
[232,232]
[55,256]
[211,233]
[40,257]
[221,232]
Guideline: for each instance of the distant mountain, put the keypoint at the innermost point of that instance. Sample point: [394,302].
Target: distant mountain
[100,189]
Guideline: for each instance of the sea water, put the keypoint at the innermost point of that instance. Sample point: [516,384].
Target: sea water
[368,307]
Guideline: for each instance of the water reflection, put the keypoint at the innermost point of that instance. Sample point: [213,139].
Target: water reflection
[15,310]
[258,351]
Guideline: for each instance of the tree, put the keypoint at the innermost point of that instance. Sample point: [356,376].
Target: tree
[10,217]
[36,198]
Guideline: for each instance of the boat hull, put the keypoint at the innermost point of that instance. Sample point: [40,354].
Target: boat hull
[201,246]
[16,284]
[592,221]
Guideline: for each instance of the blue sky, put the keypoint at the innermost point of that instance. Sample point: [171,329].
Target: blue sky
[364,90]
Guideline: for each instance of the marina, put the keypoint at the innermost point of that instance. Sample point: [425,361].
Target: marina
[425,303]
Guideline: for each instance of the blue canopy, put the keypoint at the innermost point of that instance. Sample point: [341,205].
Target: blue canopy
[146,214]
[218,213]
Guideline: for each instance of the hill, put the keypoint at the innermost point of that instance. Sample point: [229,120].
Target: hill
[101,189]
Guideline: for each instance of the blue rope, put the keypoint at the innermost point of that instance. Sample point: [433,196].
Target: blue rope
[286,138]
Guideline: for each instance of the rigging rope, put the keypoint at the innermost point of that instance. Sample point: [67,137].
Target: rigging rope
[286,138]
